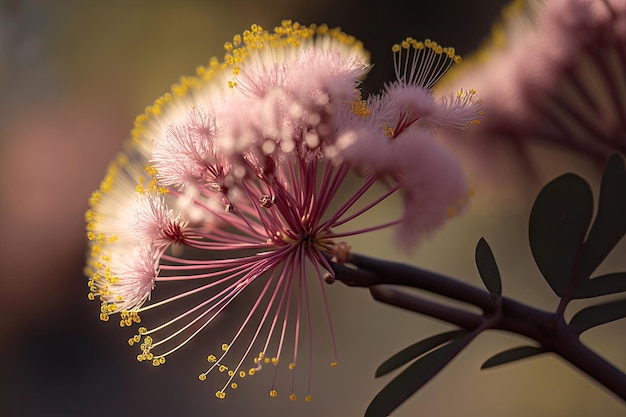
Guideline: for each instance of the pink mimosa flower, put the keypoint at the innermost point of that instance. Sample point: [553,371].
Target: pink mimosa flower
[553,76]
[234,183]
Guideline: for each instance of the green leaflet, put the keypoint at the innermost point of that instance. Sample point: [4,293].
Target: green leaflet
[487,268]
[511,355]
[558,223]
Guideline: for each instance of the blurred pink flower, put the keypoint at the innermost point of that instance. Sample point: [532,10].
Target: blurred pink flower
[554,75]
[238,179]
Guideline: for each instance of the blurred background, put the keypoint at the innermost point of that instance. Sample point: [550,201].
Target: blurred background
[73,76]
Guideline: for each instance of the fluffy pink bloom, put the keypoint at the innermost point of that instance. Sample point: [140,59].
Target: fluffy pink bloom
[234,183]
[552,76]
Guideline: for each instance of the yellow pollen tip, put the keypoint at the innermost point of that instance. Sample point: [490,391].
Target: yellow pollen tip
[333,364]
[292,397]
[273,393]
[308,399]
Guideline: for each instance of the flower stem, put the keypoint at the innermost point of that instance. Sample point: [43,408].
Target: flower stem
[501,313]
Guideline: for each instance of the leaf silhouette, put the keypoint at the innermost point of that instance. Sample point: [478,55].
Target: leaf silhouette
[602,285]
[511,355]
[558,223]
[415,376]
[609,225]
[411,352]
[487,268]
[599,314]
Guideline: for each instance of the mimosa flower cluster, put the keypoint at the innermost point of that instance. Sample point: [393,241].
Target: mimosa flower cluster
[236,181]
[571,95]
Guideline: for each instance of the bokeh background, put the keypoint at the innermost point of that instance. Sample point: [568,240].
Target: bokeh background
[74,74]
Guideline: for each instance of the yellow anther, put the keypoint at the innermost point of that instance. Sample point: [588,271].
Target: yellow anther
[234,385]
[202,377]
[91,296]
[224,347]
[273,393]
[211,358]
[292,365]
[308,398]
[222,368]
[274,361]
[104,317]
[220,394]
[155,362]
[242,374]
[266,360]
[162,360]
[251,371]
[231,373]
[131,342]
[333,364]
[142,330]
[292,397]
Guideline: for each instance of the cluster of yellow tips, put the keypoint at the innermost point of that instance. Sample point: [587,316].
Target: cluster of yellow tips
[146,343]
[422,63]
[259,360]
[410,43]
[288,34]
[359,106]
[151,185]
[466,96]
[98,265]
